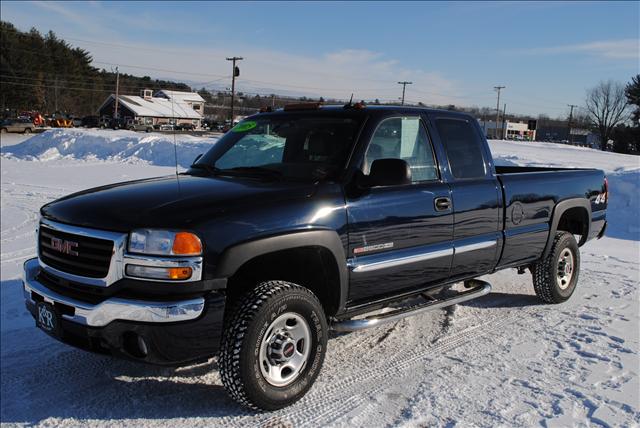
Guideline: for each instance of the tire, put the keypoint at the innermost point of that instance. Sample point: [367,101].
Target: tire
[254,366]
[27,131]
[555,277]
[3,131]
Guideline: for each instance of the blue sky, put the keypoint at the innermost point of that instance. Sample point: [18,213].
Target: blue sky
[546,54]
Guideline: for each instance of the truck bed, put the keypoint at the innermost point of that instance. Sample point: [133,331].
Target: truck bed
[530,195]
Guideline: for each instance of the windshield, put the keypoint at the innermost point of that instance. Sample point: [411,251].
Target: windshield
[288,146]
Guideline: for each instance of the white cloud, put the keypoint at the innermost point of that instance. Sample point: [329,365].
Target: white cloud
[335,74]
[611,49]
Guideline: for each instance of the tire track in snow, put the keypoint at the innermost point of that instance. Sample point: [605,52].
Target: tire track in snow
[326,404]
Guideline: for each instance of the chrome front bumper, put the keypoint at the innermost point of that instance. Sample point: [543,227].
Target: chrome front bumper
[111,309]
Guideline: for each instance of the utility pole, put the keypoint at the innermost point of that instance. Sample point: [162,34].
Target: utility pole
[115,111]
[234,72]
[404,86]
[504,122]
[498,88]
[571,122]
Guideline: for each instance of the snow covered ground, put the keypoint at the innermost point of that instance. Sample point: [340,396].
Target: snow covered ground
[502,360]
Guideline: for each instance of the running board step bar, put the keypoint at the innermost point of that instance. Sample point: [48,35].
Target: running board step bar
[476,288]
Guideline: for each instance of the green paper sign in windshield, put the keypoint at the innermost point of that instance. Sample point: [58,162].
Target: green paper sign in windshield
[244,126]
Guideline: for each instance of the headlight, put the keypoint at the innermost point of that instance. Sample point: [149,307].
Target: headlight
[164,243]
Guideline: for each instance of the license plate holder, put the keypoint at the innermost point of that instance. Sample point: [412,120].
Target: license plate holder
[47,319]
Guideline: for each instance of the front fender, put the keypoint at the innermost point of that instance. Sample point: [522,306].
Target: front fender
[234,257]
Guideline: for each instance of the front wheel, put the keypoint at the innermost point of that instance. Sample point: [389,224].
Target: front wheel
[274,345]
[555,277]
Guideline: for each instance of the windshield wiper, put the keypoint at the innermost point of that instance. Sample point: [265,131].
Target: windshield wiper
[251,170]
[209,168]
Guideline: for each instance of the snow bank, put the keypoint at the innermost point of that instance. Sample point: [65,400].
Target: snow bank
[623,173]
[536,153]
[125,146]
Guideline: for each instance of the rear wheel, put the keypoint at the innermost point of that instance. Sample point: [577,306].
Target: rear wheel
[555,277]
[274,345]
[27,131]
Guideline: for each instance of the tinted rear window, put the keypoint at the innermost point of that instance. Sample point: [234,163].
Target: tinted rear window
[463,147]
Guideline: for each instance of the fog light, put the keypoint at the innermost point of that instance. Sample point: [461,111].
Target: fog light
[152,272]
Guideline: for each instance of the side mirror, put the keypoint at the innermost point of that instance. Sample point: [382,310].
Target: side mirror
[389,172]
[196,159]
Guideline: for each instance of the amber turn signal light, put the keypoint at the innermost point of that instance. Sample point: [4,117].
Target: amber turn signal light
[180,273]
[186,244]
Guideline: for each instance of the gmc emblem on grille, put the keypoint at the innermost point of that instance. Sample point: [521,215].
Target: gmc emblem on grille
[65,247]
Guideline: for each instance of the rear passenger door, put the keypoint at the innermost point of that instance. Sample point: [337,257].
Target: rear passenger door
[398,239]
[476,196]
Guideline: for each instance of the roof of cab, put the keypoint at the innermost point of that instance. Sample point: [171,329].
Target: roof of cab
[366,109]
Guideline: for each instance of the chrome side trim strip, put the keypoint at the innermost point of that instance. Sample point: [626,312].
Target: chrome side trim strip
[384,264]
[111,309]
[399,261]
[477,246]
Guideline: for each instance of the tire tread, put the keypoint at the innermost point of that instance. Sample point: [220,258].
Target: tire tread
[239,320]
[543,280]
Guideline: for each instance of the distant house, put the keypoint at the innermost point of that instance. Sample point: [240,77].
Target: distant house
[510,130]
[165,107]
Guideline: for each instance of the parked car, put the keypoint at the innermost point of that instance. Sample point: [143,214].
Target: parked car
[297,222]
[134,126]
[185,127]
[167,127]
[24,125]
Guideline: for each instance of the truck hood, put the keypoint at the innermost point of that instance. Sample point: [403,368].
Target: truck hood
[168,202]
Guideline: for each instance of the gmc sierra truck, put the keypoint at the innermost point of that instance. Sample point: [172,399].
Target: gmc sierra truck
[296,222]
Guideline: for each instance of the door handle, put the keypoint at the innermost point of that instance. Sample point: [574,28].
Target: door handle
[442,204]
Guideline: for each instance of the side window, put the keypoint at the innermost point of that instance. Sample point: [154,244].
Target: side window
[403,138]
[463,147]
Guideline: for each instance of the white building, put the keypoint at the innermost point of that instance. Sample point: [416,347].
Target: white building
[510,130]
[164,107]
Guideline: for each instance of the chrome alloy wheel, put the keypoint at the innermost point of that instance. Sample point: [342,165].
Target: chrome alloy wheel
[285,349]
[565,269]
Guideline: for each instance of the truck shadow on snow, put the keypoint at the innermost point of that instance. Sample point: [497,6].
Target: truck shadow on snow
[504,300]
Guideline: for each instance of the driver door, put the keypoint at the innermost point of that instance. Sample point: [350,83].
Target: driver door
[400,237]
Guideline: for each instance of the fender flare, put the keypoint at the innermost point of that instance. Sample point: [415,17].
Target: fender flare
[234,257]
[558,211]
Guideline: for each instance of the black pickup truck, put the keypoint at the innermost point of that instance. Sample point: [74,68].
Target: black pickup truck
[296,222]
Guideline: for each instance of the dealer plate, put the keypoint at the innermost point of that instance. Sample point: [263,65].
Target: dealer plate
[47,318]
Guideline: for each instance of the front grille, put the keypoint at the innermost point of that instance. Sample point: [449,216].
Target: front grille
[93,254]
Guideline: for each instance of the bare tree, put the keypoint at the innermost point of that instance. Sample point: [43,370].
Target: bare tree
[606,106]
